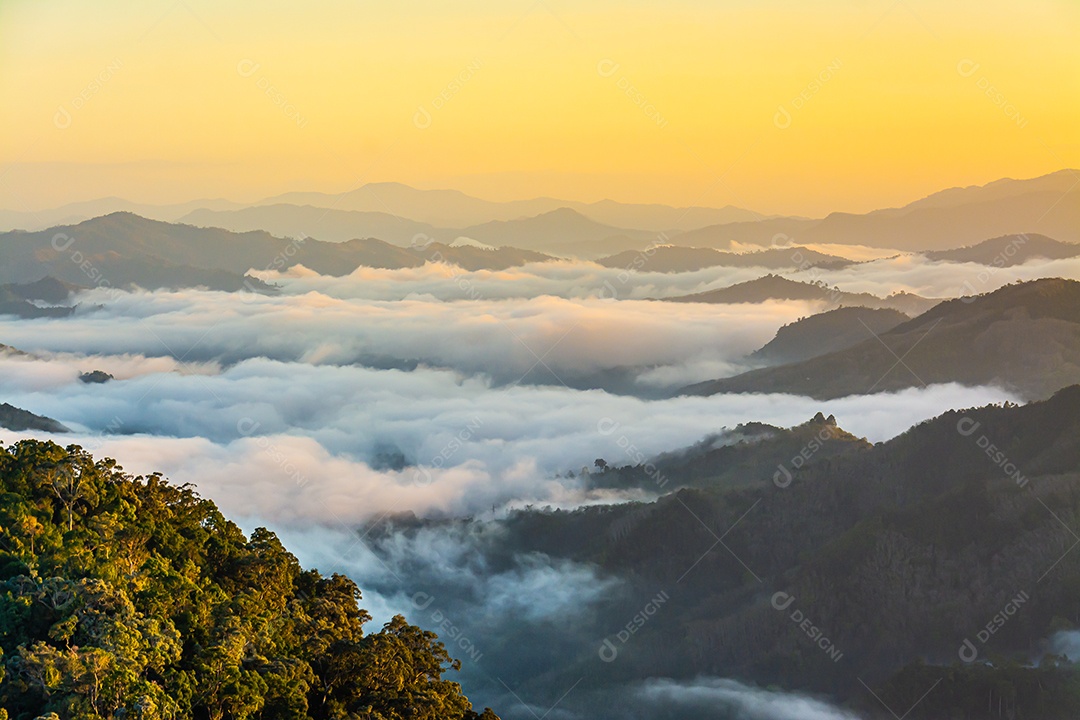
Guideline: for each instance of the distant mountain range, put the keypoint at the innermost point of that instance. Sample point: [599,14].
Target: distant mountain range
[561,231]
[435,208]
[398,213]
[775,287]
[951,218]
[674,259]
[326,224]
[1023,337]
[450,208]
[948,219]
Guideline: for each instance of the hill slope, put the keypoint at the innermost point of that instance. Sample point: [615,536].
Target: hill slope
[776,287]
[1024,337]
[130,597]
[328,224]
[1008,250]
[123,249]
[561,231]
[14,418]
[827,332]
[948,219]
[894,553]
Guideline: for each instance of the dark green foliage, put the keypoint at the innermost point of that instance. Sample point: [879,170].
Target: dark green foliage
[131,597]
[973,692]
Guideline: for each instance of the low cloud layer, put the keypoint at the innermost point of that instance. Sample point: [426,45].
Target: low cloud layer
[729,699]
[286,441]
[551,340]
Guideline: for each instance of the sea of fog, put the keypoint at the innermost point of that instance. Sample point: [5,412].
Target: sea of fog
[446,393]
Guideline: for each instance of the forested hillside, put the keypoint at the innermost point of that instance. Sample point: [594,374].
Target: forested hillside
[130,597]
[896,553]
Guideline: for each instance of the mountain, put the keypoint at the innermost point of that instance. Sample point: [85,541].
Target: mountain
[126,596]
[1023,337]
[775,287]
[842,572]
[436,208]
[328,224]
[748,455]
[562,232]
[1043,205]
[941,221]
[16,298]
[120,249]
[674,259]
[19,420]
[123,249]
[1008,250]
[342,258]
[451,208]
[76,212]
[13,352]
[764,233]
[827,332]
[1003,189]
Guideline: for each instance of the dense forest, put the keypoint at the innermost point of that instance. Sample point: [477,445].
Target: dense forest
[130,597]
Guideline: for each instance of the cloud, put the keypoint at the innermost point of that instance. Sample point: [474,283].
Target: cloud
[571,279]
[916,274]
[735,700]
[581,342]
[1065,642]
[297,443]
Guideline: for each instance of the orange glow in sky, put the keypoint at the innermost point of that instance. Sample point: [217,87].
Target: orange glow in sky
[779,106]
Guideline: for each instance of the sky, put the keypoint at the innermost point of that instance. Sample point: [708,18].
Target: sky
[779,106]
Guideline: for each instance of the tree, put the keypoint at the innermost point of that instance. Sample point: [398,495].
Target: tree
[129,596]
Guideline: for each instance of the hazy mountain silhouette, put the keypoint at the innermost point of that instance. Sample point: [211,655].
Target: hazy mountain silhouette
[672,259]
[775,287]
[562,231]
[76,212]
[451,208]
[948,219]
[1008,250]
[328,224]
[436,208]
[396,213]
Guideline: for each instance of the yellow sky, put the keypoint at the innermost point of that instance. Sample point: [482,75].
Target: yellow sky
[778,105]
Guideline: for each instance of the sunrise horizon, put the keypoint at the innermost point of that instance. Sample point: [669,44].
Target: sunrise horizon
[780,110]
